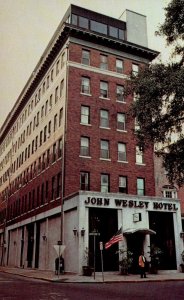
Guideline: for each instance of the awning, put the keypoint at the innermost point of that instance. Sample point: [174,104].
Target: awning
[138,230]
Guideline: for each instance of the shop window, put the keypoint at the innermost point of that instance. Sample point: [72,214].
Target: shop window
[85,85]
[121,121]
[85,114]
[85,57]
[103,89]
[84,146]
[104,118]
[84,181]
[122,152]
[104,149]
[140,186]
[105,180]
[123,184]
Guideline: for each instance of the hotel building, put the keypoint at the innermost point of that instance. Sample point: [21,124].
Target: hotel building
[70,167]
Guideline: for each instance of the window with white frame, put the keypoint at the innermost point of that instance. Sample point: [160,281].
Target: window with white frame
[140,186]
[137,126]
[84,181]
[122,152]
[104,149]
[84,146]
[85,57]
[103,89]
[85,114]
[119,66]
[169,191]
[104,118]
[123,184]
[103,62]
[120,93]
[85,85]
[139,155]
[105,186]
[121,121]
[135,69]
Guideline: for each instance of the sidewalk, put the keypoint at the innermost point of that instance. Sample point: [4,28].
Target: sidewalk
[108,276]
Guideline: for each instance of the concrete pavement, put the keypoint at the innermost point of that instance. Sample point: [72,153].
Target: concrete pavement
[108,276]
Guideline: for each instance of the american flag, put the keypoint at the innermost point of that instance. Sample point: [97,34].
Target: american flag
[115,239]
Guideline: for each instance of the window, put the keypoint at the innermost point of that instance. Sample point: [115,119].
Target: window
[38,195]
[121,121]
[52,75]
[84,147]
[42,194]
[60,116]
[50,102]
[140,187]
[58,191]
[56,94]
[45,134]
[84,181]
[85,85]
[53,196]
[169,191]
[104,118]
[105,188]
[62,59]
[85,114]
[60,143]
[123,184]
[85,57]
[57,68]
[113,31]
[121,152]
[103,62]
[83,22]
[46,190]
[135,96]
[41,136]
[104,149]
[135,69]
[55,122]
[62,88]
[99,27]
[43,161]
[139,155]
[119,66]
[46,107]
[103,89]
[54,153]
[74,19]
[120,93]
[42,111]
[49,129]
[137,126]
[48,157]
[47,81]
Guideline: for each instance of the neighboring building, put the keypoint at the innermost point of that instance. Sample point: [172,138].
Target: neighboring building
[69,162]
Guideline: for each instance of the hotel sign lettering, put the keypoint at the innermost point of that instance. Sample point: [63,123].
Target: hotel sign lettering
[98,201]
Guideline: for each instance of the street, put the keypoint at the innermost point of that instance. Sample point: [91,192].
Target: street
[14,287]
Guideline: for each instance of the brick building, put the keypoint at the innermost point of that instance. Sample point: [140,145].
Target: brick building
[70,166]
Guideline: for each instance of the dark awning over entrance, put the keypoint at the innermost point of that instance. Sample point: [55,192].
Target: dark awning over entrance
[138,230]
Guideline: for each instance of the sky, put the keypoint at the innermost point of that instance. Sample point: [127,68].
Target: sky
[28,25]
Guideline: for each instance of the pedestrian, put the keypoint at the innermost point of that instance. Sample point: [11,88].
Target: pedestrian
[142,265]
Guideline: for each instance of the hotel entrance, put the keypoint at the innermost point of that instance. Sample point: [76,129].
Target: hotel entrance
[104,222]
[162,223]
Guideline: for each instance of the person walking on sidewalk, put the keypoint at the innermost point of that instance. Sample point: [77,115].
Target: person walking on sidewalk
[142,265]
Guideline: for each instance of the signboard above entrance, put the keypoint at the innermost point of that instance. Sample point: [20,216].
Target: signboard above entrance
[156,205]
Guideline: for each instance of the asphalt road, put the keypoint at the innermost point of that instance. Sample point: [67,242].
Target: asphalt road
[13,287]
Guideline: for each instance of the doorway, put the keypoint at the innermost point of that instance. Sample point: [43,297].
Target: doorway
[30,247]
[105,222]
[135,244]
[162,223]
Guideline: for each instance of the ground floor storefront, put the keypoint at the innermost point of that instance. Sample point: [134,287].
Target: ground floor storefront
[89,218]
